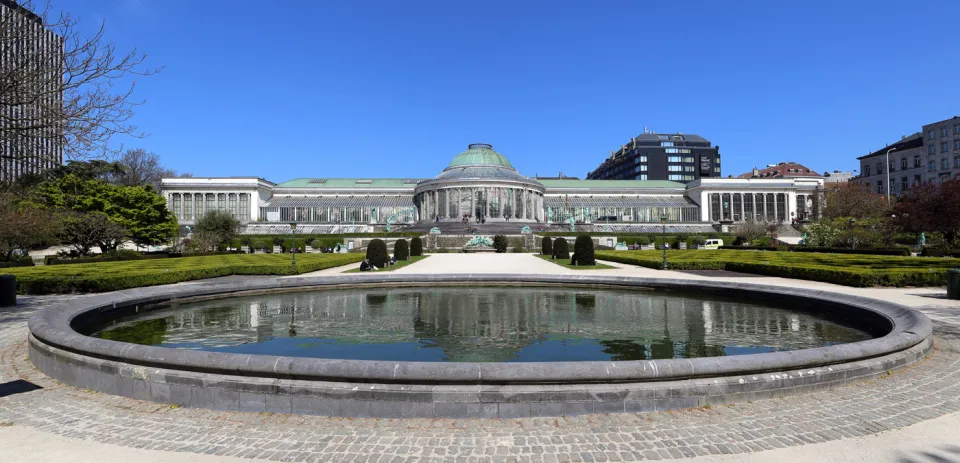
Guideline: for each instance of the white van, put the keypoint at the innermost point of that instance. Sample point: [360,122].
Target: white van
[712,244]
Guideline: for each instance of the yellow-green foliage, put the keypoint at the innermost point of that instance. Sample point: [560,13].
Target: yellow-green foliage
[111,276]
[843,269]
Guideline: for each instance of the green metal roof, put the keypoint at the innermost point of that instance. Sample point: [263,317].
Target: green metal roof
[351,183]
[610,184]
[480,154]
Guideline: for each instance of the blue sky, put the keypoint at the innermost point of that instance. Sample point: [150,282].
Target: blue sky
[292,89]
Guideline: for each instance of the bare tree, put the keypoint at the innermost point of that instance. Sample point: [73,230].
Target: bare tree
[142,168]
[66,90]
[751,230]
[24,226]
[84,231]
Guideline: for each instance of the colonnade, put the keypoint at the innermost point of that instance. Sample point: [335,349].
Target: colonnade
[491,203]
[759,207]
[189,207]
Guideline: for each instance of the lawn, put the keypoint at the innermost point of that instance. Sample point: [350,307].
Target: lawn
[566,263]
[399,264]
[111,276]
[844,269]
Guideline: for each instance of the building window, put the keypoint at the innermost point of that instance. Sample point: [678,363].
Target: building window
[956,144]
[931,149]
[715,207]
[880,186]
[688,159]
[932,166]
[688,168]
[879,168]
[675,177]
[673,158]
[932,135]
[866,170]
[916,161]
[674,168]
[716,169]
[943,147]
[893,166]
[641,177]
[903,184]
[642,159]
[903,163]
[956,129]
[956,162]
[944,164]
[943,132]
[917,179]
[666,143]
[640,168]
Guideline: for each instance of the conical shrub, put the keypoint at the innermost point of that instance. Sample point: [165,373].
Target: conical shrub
[377,253]
[583,251]
[546,246]
[560,250]
[400,250]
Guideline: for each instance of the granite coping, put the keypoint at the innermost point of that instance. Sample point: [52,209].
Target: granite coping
[57,325]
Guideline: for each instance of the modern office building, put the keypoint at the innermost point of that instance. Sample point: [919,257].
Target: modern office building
[481,184]
[787,169]
[31,58]
[675,157]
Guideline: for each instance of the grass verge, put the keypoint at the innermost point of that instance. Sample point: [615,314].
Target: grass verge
[843,269]
[117,275]
[566,263]
[399,264]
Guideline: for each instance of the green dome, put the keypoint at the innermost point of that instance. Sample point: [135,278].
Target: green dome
[480,154]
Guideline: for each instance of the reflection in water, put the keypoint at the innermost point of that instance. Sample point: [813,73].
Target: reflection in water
[481,324]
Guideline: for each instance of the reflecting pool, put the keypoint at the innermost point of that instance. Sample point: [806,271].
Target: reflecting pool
[482,324]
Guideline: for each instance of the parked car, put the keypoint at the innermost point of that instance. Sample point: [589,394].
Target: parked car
[712,244]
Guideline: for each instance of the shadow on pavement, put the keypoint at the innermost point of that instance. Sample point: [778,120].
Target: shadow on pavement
[944,454]
[17,387]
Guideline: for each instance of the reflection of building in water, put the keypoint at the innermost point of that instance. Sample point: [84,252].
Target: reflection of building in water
[487,324]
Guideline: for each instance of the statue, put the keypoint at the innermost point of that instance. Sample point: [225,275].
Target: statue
[525,230]
[434,231]
[480,242]
[922,239]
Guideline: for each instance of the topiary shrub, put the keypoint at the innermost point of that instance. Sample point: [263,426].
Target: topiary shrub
[560,250]
[500,243]
[416,247]
[401,250]
[698,240]
[517,245]
[377,253]
[277,241]
[316,244]
[546,246]
[583,251]
[644,241]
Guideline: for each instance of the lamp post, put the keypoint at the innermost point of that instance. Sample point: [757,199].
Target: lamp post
[663,224]
[293,244]
[888,174]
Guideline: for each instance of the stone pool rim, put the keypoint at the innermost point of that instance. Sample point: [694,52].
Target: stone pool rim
[115,367]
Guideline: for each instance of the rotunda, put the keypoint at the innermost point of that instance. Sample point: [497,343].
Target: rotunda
[480,184]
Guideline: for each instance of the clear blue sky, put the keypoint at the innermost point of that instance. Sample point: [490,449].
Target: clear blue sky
[292,89]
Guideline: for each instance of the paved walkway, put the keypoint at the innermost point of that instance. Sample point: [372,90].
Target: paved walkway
[909,416]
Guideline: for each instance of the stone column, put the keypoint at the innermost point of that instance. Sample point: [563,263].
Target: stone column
[791,212]
[704,206]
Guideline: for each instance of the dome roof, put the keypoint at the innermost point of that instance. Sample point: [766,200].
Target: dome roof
[480,154]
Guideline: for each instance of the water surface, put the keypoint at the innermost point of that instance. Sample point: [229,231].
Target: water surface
[481,324]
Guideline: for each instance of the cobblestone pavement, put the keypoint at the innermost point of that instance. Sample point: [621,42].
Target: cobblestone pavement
[925,391]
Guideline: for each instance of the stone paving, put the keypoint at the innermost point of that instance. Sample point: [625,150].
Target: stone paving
[928,390]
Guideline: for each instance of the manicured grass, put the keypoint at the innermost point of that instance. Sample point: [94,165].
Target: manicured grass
[112,276]
[844,269]
[566,263]
[399,264]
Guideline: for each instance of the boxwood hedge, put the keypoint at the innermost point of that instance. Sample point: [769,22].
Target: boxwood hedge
[112,276]
[844,269]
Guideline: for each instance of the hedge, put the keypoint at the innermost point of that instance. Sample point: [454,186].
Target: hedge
[899,251]
[583,251]
[546,246]
[416,247]
[500,243]
[25,261]
[401,251]
[560,249]
[113,276]
[377,253]
[845,269]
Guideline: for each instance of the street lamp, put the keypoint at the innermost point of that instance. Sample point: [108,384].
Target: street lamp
[293,244]
[663,224]
[888,174]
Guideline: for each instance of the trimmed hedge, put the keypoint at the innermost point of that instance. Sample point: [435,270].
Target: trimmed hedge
[560,250]
[416,247]
[400,250]
[500,243]
[583,251]
[931,252]
[844,269]
[546,246]
[900,251]
[377,253]
[113,276]
[25,261]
